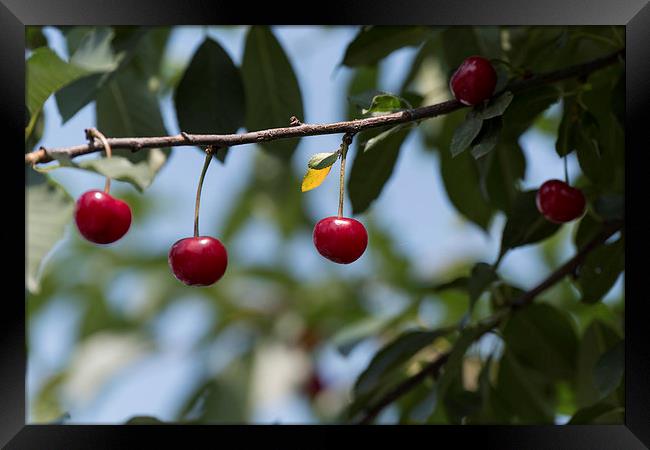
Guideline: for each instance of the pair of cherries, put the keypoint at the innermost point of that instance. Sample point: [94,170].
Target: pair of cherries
[103,219]
[202,260]
[474,82]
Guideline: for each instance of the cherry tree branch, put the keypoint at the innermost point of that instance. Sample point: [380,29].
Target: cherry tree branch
[298,129]
[433,368]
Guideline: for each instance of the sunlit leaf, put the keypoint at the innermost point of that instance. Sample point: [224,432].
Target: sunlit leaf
[314,178]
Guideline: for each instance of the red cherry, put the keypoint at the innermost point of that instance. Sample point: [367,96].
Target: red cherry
[559,202]
[340,239]
[198,261]
[473,81]
[101,218]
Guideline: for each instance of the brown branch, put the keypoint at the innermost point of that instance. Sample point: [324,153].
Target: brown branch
[433,368]
[298,129]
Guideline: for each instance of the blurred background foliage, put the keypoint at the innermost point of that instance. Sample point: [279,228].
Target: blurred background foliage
[285,336]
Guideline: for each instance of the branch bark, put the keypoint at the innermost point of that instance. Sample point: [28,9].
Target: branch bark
[433,368]
[297,129]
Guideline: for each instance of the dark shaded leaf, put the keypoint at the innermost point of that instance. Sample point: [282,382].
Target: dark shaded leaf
[144,420]
[500,174]
[372,167]
[487,139]
[482,276]
[600,413]
[523,393]
[272,91]
[601,269]
[34,37]
[127,107]
[609,368]
[543,338]
[494,108]
[610,206]
[568,130]
[588,229]
[363,81]
[372,44]
[464,134]
[525,225]
[524,109]
[210,97]
[597,338]
[393,355]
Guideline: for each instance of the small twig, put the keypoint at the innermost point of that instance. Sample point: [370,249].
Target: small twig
[294,122]
[92,133]
[525,299]
[303,130]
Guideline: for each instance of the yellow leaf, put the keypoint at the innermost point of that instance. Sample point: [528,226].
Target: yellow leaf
[313,178]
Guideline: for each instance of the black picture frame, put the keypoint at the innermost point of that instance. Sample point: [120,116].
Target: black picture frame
[634,14]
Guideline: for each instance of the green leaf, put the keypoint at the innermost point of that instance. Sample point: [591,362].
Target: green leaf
[525,225]
[34,37]
[385,104]
[600,413]
[372,44]
[126,106]
[500,174]
[133,47]
[543,338]
[494,108]
[272,90]
[394,355]
[363,81]
[322,160]
[461,178]
[588,229]
[618,99]
[223,399]
[144,420]
[460,403]
[482,276]
[49,209]
[464,134]
[46,74]
[453,366]
[524,109]
[94,52]
[596,340]
[459,43]
[601,269]
[608,371]
[487,139]
[523,393]
[568,130]
[210,97]
[372,169]
[139,174]
[350,335]
[610,206]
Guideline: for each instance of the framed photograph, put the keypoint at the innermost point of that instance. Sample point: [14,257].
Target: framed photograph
[362,218]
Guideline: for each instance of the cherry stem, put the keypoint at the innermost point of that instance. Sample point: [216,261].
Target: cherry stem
[208,157]
[347,140]
[94,132]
